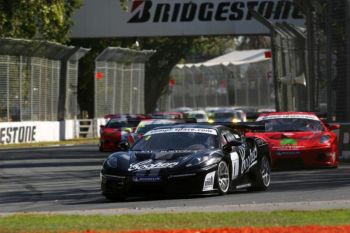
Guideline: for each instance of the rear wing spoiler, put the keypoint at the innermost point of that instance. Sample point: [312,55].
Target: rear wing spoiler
[241,126]
[244,126]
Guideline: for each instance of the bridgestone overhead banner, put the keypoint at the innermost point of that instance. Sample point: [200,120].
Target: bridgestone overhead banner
[106,18]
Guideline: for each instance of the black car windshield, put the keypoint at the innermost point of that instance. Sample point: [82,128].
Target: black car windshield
[117,123]
[177,141]
[224,114]
[292,125]
[145,128]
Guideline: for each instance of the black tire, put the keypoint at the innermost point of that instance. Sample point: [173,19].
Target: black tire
[100,147]
[261,175]
[114,197]
[223,180]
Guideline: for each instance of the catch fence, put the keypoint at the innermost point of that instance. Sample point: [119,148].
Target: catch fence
[312,64]
[119,81]
[31,77]
[328,46]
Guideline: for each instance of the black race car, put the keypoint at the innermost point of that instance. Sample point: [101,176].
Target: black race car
[187,158]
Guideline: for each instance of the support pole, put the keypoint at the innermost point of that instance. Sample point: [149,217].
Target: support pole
[273,32]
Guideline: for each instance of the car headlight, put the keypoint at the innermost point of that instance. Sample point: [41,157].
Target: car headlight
[112,161]
[235,120]
[325,139]
[201,159]
[211,121]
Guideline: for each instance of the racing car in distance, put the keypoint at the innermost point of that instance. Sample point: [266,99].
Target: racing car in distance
[299,139]
[146,125]
[187,159]
[117,130]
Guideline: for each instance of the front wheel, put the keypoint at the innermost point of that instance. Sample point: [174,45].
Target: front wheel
[223,178]
[262,175]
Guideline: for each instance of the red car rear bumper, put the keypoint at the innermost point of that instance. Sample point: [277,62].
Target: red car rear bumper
[307,157]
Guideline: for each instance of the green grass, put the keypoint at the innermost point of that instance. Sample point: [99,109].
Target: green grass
[78,141]
[63,223]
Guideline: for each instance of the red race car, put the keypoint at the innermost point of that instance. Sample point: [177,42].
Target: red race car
[117,130]
[299,139]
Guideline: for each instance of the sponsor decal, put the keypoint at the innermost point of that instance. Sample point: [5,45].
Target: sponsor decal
[151,164]
[190,11]
[288,147]
[235,164]
[20,134]
[182,130]
[209,181]
[289,142]
[292,116]
[146,179]
[241,151]
[288,152]
[250,160]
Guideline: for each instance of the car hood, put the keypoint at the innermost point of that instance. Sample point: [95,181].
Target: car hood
[150,160]
[293,140]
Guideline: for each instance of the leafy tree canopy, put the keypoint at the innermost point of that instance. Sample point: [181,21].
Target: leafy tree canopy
[37,19]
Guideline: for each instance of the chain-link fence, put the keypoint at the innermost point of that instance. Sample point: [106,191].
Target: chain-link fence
[28,88]
[119,81]
[332,55]
[72,109]
[312,64]
[327,36]
[241,78]
[31,77]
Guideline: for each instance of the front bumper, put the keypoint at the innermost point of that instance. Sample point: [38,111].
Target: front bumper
[189,182]
[308,157]
[109,145]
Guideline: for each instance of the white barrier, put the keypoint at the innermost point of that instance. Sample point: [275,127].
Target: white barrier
[37,131]
[99,122]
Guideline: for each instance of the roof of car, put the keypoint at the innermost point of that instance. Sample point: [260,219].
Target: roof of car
[158,121]
[202,126]
[196,112]
[310,115]
[288,113]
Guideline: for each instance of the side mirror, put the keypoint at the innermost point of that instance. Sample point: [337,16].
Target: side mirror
[124,146]
[102,127]
[228,147]
[334,126]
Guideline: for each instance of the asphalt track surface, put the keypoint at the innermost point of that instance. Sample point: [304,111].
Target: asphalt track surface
[67,179]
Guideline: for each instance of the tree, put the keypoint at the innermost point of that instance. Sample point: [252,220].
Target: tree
[253,42]
[169,52]
[39,19]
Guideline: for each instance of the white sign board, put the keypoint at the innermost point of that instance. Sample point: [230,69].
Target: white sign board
[106,18]
[28,132]
[37,131]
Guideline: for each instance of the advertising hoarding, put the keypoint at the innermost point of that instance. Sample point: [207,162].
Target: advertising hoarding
[144,18]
